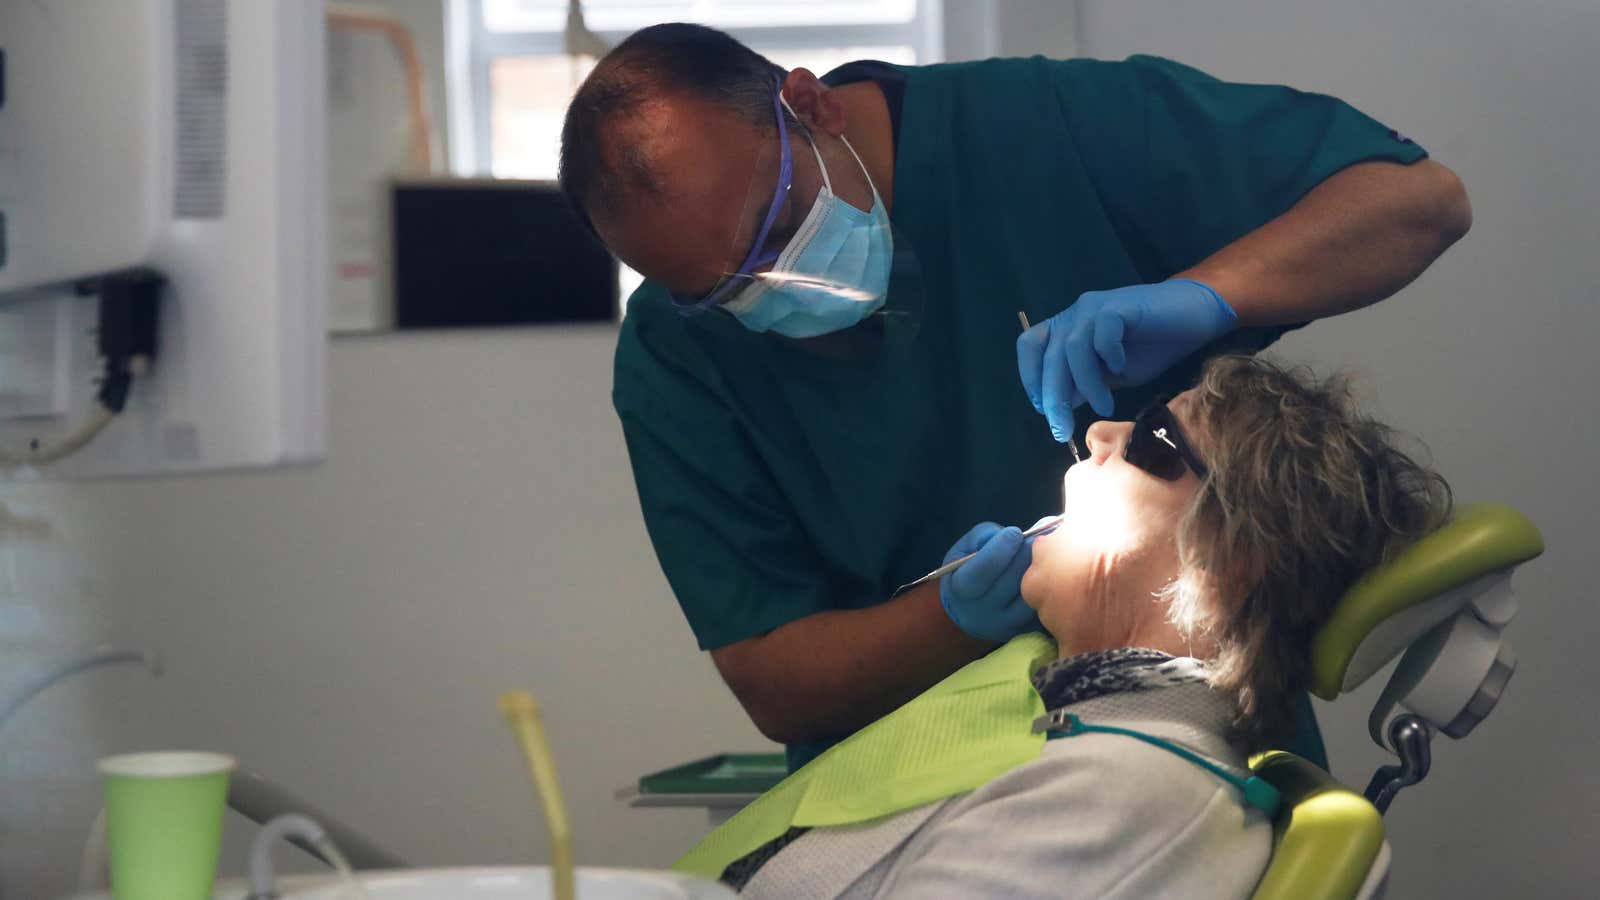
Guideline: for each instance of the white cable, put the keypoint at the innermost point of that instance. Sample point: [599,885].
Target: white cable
[39,454]
[100,656]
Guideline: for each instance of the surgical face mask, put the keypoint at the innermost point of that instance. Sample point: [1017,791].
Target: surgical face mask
[832,274]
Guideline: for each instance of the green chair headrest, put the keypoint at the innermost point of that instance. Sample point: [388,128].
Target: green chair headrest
[1326,837]
[1479,541]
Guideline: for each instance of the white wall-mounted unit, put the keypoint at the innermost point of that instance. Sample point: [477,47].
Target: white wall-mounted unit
[187,136]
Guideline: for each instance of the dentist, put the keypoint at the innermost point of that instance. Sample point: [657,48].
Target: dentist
[818,379]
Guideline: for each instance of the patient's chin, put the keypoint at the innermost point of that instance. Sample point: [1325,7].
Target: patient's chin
[1030,585]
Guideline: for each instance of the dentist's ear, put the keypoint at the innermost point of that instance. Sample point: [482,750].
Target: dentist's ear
[814,102]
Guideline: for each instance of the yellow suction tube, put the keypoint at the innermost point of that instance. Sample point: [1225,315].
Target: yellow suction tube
[522,714]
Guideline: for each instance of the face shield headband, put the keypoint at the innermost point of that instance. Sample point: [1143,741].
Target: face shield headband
[755,258]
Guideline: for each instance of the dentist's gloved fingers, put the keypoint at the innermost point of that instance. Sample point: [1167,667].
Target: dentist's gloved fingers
[1088,375]
[1060,396]
[1030,362]
[1014,616]
[1122,337]
[1021,559]
[993,565]
[1109,327]
[973,541]
[984,596]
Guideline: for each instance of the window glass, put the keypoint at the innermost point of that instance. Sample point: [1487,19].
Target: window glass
[628,15]
[528,96]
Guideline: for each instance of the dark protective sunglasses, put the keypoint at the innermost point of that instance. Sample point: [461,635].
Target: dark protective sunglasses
[1158,445]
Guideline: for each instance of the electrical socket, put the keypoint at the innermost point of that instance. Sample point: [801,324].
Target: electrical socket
[34,355]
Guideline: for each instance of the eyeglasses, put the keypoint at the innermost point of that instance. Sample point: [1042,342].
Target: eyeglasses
[1158,445]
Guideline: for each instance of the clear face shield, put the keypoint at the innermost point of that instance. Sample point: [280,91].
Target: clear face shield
[814,251]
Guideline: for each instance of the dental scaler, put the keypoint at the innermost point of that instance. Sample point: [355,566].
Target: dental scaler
[954,564]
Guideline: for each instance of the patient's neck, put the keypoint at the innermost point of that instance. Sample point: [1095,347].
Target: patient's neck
[1162,635]
[1126,609]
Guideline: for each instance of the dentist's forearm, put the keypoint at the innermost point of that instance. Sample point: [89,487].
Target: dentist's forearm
[1355,239]
[830,673]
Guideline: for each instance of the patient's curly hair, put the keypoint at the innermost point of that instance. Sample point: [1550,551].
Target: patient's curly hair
[1305,494]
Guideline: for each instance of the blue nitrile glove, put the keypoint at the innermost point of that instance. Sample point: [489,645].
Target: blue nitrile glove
[1119,338]
[984,597]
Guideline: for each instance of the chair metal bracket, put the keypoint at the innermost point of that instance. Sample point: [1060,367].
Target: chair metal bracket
[1410,737]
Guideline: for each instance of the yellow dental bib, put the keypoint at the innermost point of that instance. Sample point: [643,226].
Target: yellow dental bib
[955,737]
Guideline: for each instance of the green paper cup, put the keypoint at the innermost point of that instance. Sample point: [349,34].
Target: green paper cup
[164,823]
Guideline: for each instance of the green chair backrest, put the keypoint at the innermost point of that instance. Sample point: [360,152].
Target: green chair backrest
[1326,836]
[1396,603]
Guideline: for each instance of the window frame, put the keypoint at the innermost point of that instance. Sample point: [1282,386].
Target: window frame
[472,49]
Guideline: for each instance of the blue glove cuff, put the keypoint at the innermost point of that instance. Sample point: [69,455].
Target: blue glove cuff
[1227,319]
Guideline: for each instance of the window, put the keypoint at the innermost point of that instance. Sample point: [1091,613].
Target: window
[515,79]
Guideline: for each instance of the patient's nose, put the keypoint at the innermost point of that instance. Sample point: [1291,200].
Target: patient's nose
[1106,437]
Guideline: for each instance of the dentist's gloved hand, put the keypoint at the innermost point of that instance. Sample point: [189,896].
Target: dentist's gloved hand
[1118,338]
[984,597]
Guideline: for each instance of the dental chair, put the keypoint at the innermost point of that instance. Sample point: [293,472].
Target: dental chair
[1440,606]
[1443,603]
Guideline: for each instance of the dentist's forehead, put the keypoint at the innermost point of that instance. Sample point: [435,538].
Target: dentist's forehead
[703,160]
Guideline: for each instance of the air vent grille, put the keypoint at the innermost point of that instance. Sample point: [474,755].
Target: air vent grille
[200,183]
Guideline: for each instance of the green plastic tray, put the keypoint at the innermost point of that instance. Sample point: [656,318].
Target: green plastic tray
[724,773]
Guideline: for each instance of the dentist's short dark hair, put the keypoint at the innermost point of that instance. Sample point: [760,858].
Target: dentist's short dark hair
[600,167]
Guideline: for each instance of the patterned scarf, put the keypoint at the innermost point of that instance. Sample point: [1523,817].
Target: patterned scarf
[1101,672]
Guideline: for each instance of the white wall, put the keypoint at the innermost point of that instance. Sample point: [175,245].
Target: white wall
[1489,357]
[977,29]
[347,627]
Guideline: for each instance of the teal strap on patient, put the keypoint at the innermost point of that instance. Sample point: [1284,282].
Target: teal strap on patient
[1257,793]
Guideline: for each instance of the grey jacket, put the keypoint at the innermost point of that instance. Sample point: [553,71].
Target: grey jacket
[1097,815]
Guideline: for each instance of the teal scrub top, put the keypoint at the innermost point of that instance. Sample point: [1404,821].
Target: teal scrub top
[777,482]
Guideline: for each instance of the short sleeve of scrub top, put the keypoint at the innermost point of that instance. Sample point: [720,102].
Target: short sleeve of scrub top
[1186,164]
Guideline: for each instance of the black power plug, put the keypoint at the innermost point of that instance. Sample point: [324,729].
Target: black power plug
[130,314]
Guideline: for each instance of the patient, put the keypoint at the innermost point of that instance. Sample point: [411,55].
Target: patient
[1204,545]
